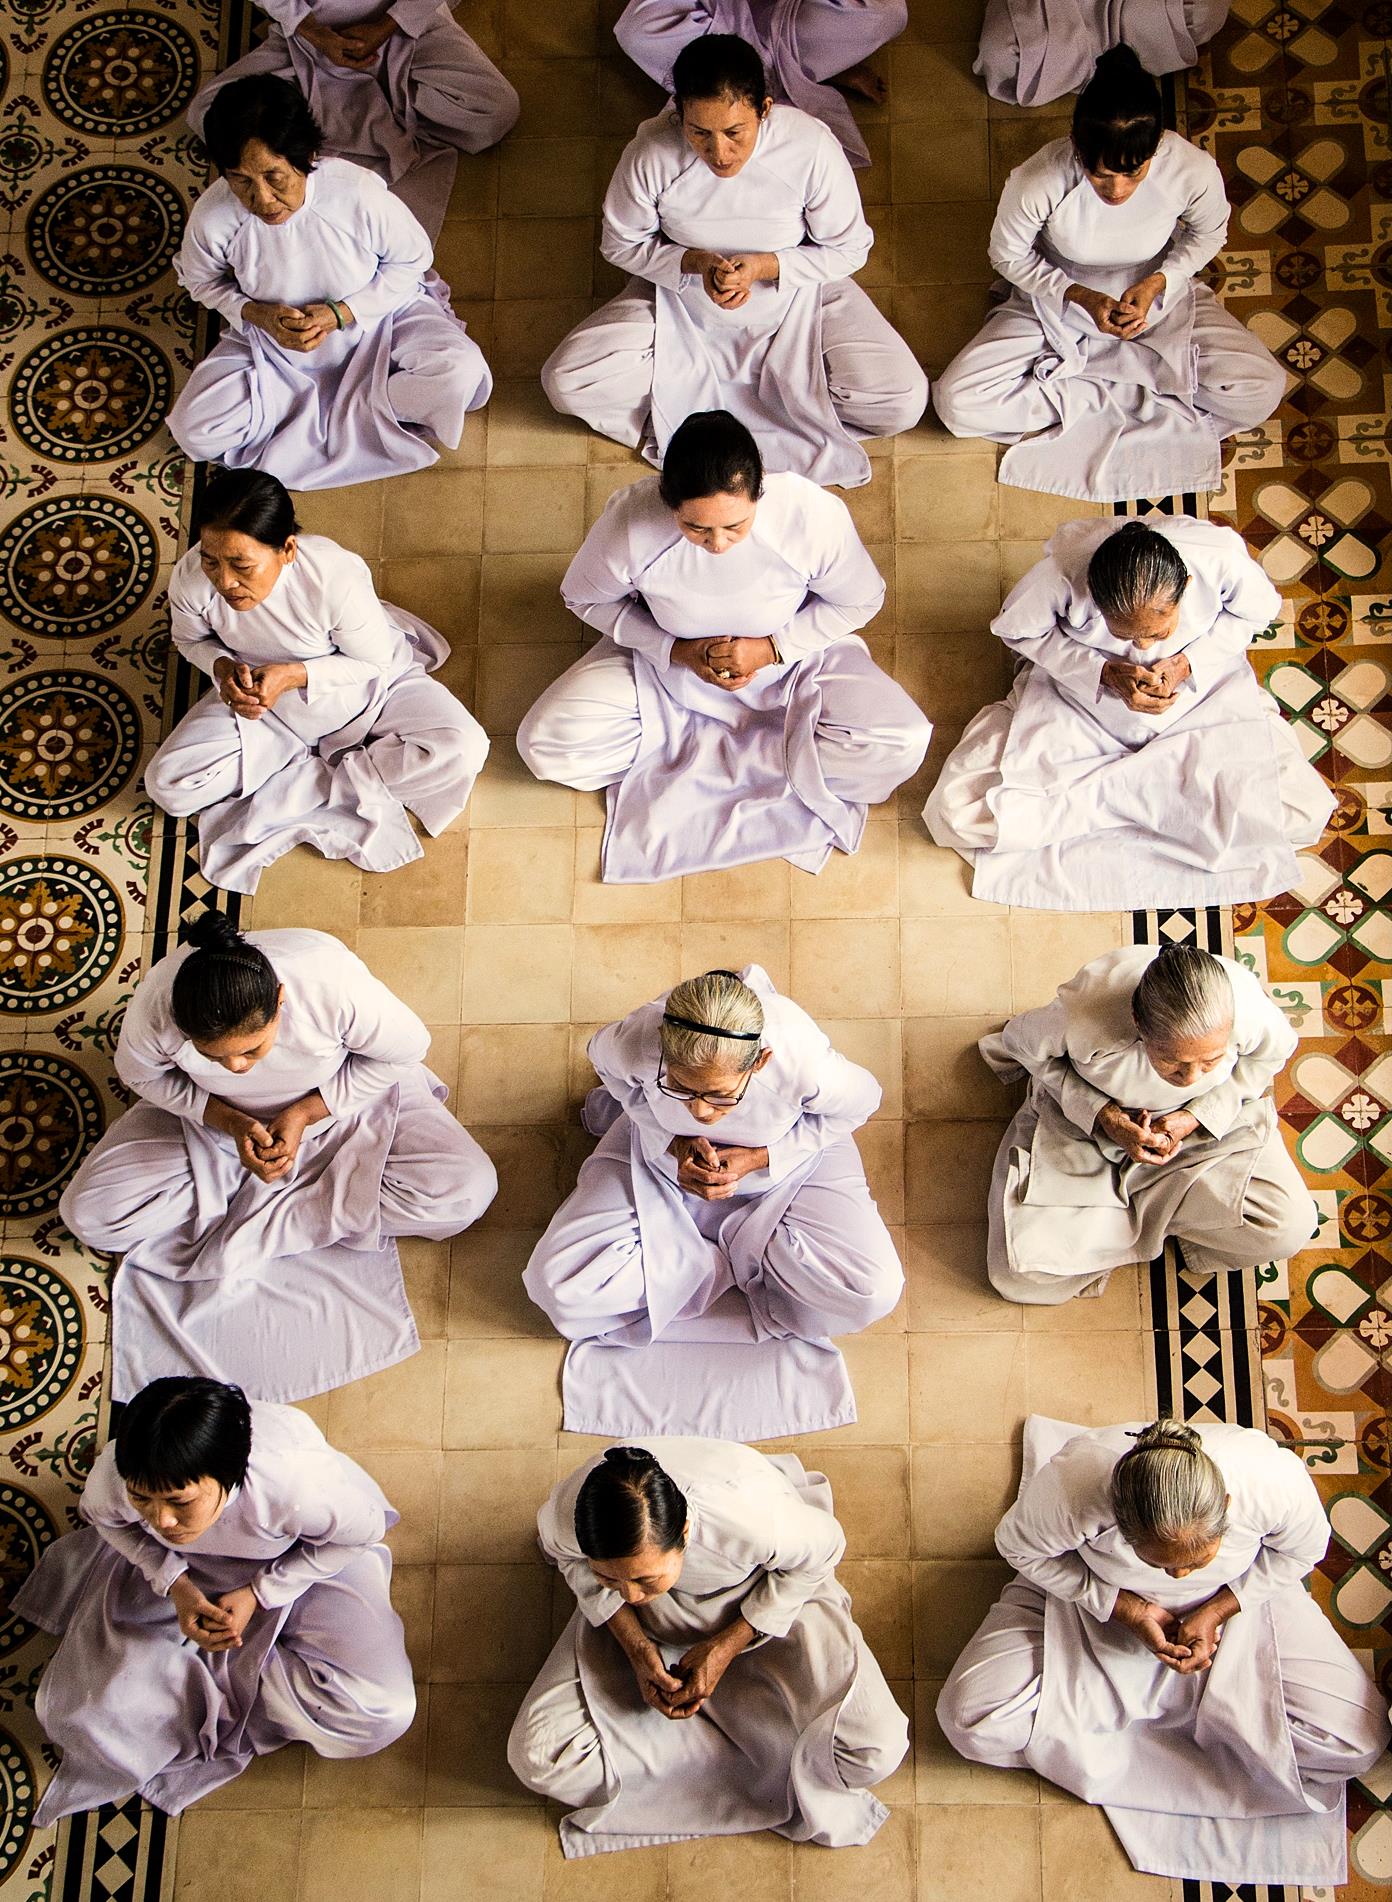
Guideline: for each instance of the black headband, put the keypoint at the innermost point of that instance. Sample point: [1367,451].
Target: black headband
[710,1030]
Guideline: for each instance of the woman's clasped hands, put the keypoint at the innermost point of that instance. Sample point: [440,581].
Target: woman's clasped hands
[213,1624]
[1145,1135]
[729,662]
[1185,1642]
[729,281]
[295,327]
[1125,316]
[252,691]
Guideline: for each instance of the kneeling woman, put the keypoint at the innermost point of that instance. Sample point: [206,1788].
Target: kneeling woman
[230,1593]
[1120,370]
[1136,763]
[1157,1652]
[321,726]
[711,1680]
[765,1231]
[287,1131]
[741,226]
[340,354]
[1149,1115]
[731,709]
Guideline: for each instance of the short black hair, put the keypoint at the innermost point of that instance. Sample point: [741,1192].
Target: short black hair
[627,1502]
[711,453]
[266,108]
[182,1429]
[225,984]
[719,66]
[249,501]
[1118,118]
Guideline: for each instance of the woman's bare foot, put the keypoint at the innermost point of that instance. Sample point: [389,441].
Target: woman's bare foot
[862,82]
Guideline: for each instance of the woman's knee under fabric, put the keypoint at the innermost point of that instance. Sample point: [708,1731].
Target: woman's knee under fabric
[553,1746]
[585,729]
[987,1707]
[437,1180]
[135,1183]
[830,1266]
[877,384]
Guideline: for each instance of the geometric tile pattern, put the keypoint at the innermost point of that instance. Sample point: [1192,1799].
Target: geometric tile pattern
[1293,101]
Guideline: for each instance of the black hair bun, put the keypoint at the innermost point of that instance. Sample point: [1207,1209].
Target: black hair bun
[214,931]
[629,1456]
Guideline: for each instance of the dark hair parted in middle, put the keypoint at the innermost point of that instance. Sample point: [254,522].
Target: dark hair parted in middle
[1136,568]
[711,453]
[249,501]
[1117,121]
[182,1429]
[265,108]
[626,1503]
[719,66]
[225,984]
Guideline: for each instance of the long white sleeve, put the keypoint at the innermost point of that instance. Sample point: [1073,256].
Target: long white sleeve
[845,590]
[1053,1518]
[1037,1042]
[1033,623]
[602,585]
[631,234]
[1295,1531]
[1202,226]
[403,251]
[843,1097]
[804,1547]
[1251,602]
[838,239]
[145,1052]
[359,630]
[204,269]
[384,1038]
[1032,192]
[332,1511]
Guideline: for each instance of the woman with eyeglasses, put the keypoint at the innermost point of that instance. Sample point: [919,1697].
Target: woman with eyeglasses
[711,1680]
[229,1592]
[1109,370]
[285,1131]
[731,708]
[725,1178]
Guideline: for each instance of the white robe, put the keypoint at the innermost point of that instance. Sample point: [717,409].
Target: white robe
[808,363]
[801,42]
[1034,51]
[334,763]
[1234,1775]
[699,778]
[137,1708]
[713,1317]
[433,92]
[290,1287]
[1064,798]
[1109,418]
[1066,1205]
[798,1729]
[360,405]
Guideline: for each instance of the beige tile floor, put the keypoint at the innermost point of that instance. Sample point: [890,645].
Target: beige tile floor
[506,943]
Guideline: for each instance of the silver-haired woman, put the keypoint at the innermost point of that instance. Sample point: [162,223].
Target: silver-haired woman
[726,1199]
[1157,1654]
[1149,1115]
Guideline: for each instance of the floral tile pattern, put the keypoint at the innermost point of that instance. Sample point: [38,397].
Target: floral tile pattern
[1293,101]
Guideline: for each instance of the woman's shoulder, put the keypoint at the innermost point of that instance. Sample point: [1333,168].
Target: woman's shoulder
[217,212]
[796,498]
[1055,163]
[311,954]
[323,562]
[1180,156]
[188,585]
[339,179]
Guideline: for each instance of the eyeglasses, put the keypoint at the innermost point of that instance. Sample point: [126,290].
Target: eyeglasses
[712,1099]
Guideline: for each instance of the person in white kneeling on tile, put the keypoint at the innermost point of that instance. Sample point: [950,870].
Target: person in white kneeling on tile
[229,1593]
[1149,1116]
[322,726]
[1157,1653]
[711,1680]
